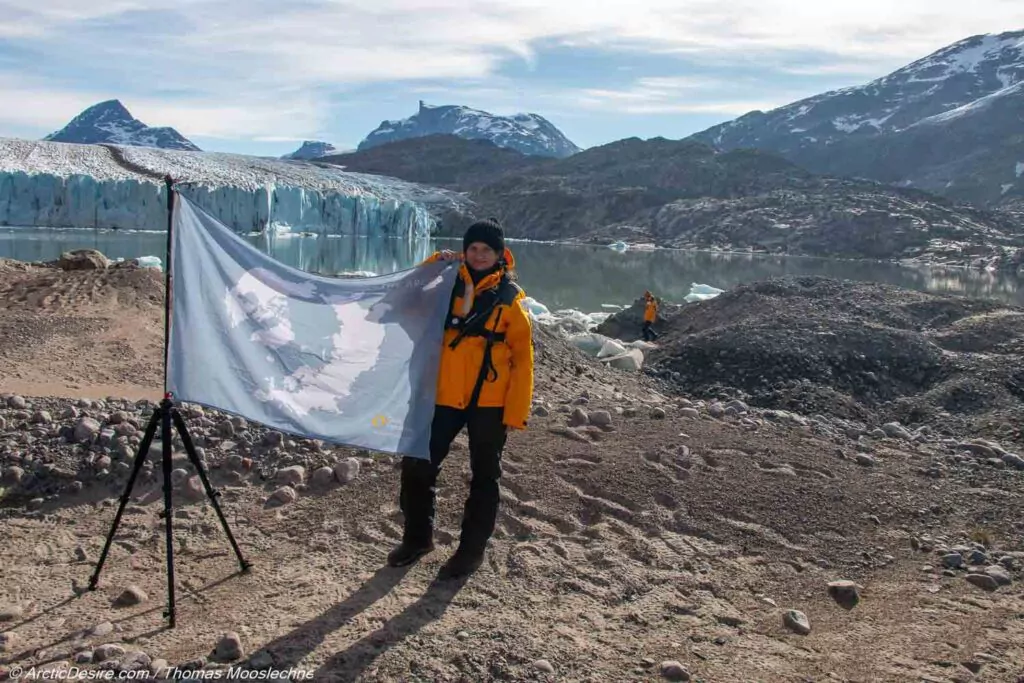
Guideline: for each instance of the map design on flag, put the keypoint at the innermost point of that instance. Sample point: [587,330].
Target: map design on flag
[351,361]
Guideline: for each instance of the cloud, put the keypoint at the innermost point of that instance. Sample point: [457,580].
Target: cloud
[298,118]
[680,95]
[252,67]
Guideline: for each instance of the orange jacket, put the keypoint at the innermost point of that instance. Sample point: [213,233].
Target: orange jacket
[512,387]
[650,310]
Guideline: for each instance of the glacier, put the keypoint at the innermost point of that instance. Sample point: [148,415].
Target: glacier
[105,186]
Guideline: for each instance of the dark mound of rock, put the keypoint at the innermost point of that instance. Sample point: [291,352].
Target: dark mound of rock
[856,350]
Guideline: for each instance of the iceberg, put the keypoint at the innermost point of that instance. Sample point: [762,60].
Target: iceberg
[699,292]
[104,186]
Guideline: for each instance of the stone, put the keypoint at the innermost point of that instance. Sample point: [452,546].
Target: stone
[83,657]
[291,476]
[17,402]
[894,430]
[283,496]
[234,462]
[674,671]
[739,406]
[136,661]
[544,666]
[229,648]
[658,413]
[12,476]
[108,651]
[8,639]
[132,595]
[104,628]
[225,429]
[322,477]
[10,612]
[601,418]
[690,413]
[983,581]
[845,593]
[1001,576]
[179,476]
[1013,460]
[953,560]
[41,417]
[578,418]
[978,557]
[865,460]
[541,411]
[86,430]
[346,470]
[796,621]
[193,488]
[82,259]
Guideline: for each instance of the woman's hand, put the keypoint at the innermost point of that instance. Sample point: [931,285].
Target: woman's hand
[448,255]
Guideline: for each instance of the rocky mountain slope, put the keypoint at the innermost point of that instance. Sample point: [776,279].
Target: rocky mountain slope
[949,123]
[110,122]
[443,160]
[526,133]
[312,149]
[686,194]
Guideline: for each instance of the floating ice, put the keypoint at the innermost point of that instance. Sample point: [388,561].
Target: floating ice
[702,292]
[149,262]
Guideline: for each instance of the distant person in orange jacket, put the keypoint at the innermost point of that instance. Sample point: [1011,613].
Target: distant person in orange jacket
[485,384]
[650,315]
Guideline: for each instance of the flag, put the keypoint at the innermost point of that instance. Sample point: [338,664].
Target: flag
[348,361]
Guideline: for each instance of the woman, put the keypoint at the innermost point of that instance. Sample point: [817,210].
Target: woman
[485,384]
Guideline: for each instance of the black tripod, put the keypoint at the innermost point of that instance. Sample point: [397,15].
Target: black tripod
[166,415]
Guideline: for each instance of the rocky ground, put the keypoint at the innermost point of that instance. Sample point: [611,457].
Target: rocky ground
[651,529]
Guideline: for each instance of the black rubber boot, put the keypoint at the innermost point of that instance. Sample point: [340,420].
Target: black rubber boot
[463,563]
[406,553]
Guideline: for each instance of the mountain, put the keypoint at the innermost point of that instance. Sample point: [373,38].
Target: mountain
[312,149]
[527,133]
[950,123]
[690,195]
[442,160]
[110,122]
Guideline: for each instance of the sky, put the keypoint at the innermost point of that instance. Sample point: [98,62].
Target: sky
[258,77]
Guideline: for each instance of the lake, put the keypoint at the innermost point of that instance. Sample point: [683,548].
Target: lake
[560,276]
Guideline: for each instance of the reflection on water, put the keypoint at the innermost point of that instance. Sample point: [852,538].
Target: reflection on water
[560,276]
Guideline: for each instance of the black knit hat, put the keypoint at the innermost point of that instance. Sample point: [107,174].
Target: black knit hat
[489,232]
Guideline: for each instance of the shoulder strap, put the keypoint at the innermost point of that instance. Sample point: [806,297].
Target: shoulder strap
[508,291]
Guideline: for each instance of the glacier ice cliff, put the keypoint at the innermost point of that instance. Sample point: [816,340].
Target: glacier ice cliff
[102,186]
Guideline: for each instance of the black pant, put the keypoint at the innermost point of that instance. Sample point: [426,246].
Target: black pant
[648,332]
[419,477]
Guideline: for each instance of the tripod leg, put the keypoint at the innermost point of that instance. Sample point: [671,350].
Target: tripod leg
[140,458]
[168,437]
[211,493]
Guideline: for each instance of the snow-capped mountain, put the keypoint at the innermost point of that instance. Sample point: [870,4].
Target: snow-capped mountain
[898,128]
[110,122]
[527,133]
[312,149]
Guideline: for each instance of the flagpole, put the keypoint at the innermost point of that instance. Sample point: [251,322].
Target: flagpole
[169,184]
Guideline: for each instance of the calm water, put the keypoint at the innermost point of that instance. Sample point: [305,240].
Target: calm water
[559,276]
